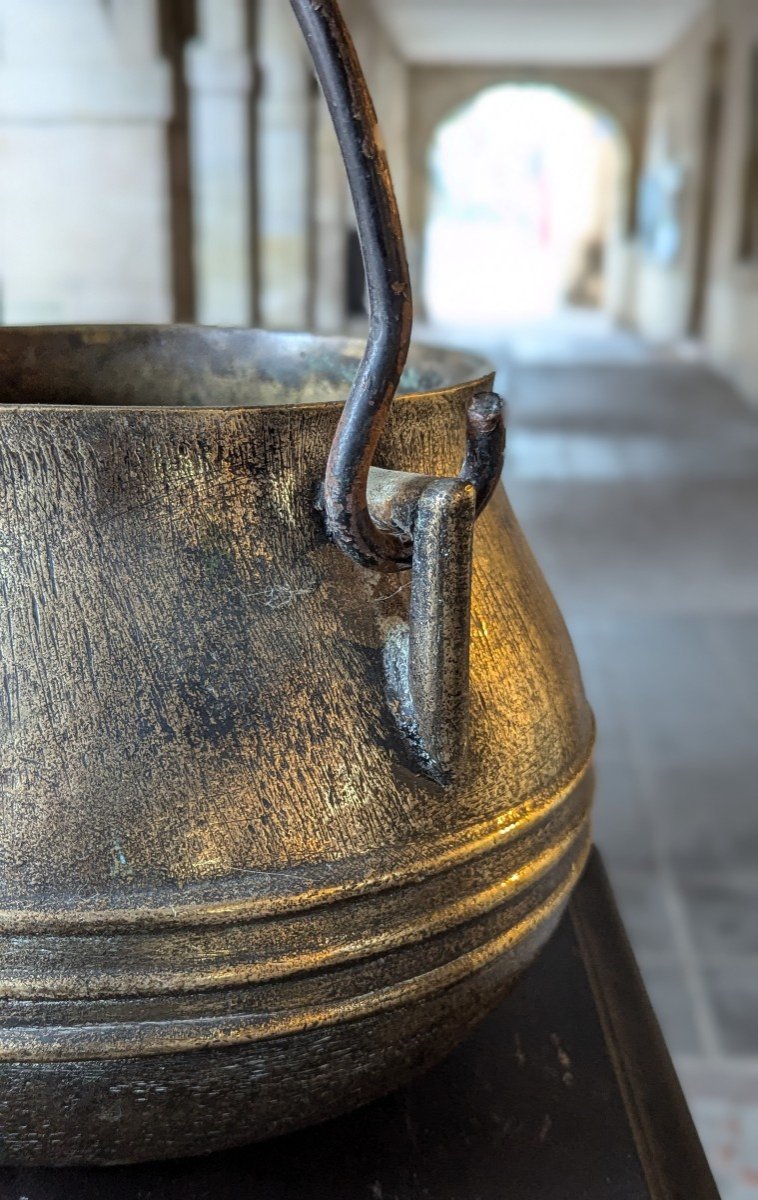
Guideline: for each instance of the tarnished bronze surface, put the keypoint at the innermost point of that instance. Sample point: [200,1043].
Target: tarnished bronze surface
[278,823]
[234,900]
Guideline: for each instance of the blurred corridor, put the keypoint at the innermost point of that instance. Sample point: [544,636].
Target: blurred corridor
[636,479]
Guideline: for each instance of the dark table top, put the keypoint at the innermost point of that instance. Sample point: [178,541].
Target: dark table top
[566,1093]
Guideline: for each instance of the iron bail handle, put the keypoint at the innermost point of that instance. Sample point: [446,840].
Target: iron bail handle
[346,509]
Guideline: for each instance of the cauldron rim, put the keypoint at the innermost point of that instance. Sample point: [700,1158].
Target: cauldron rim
[73,366]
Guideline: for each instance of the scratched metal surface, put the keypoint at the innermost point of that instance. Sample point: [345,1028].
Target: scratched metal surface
[531,1106]
[230,900]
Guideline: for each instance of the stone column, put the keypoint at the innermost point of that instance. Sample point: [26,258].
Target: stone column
[219,77]
[331,222]
[284,169]
[84,105]
[387,76]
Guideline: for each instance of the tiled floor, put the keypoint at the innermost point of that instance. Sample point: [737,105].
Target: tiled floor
[636,479]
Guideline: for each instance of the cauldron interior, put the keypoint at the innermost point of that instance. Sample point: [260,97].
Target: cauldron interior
[184,366]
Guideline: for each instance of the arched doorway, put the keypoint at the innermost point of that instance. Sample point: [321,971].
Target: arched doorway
[526,195]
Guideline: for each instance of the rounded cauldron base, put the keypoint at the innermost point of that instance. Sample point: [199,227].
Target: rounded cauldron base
[112,1112]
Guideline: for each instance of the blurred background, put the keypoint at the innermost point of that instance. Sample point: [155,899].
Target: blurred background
[579,186]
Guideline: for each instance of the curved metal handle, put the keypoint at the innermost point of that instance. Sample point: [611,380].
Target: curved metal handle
[346,509]
[389,290]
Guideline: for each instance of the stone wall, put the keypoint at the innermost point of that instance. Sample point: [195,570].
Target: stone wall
[102,219]
[731,318]
[674,160]
[715,55]
[84,191]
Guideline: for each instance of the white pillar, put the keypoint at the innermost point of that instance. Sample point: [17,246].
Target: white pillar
[284,183]
[84,201]
[219,77]
[330,226]
[135,26]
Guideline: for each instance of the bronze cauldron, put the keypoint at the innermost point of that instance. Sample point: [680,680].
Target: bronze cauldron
[276,831]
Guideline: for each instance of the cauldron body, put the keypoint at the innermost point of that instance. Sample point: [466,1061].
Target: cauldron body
[233,902]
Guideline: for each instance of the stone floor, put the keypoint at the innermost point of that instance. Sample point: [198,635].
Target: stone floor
[635,476]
